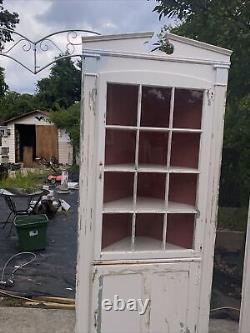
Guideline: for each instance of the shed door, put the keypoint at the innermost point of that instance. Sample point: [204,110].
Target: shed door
[46,141]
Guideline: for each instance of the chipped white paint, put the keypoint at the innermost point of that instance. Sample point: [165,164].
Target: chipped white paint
[245,302]
[177,281]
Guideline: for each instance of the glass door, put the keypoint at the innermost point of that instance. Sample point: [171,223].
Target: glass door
[151,169]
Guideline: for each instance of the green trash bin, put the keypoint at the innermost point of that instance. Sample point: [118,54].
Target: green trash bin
[31,231]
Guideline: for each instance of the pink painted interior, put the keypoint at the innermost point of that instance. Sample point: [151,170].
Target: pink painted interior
[149,225]
[182,188]
[153,147]
[115,227]
[180,230]
[118,185]
[120,147]
[122,101]
[188,108]
[185,150]
[151,185]
[155,107]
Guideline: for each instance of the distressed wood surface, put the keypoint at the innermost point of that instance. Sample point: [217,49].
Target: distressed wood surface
[245,303]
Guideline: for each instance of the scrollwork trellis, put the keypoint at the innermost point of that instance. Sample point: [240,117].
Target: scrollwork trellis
[69,42]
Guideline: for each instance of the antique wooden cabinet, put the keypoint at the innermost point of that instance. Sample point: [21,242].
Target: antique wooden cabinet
[152,134]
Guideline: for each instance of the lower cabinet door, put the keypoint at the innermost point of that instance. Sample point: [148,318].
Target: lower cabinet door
[145,298]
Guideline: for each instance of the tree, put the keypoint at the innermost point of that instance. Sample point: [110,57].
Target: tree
[219,22]
[7,20]
[3,85]
[226,24]
[13,104]
[69,119]
[63,86]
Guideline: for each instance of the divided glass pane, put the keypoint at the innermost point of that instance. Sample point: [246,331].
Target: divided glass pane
[139,196]
[151,192]
[122,103]
[120,147]
[185,150]
[180,230]
[153,148]
[148,232]
[118,192]
[187,108]
[116,232]
[182,191]
[155,107]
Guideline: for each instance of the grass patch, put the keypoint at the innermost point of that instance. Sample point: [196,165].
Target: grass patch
[29,182]
[232,218]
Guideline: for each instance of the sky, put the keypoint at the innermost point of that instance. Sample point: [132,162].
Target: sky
[39,18]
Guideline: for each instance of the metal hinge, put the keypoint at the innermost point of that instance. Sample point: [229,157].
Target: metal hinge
[92,99]
[95,318]
[94,275]
[210,96]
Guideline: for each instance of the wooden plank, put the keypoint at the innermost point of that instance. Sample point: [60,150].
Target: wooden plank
[28,157]
[46,141]
[245,302]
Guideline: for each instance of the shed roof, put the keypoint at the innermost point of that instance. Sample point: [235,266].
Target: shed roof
[11,120]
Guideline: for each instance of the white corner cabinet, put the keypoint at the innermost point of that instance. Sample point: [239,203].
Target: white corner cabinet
[152,129]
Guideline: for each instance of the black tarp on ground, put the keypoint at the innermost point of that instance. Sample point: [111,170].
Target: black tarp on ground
[53,271]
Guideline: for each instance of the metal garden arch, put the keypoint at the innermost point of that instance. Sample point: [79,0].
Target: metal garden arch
[67,39]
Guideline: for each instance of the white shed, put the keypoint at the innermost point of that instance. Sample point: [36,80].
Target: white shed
[32,135]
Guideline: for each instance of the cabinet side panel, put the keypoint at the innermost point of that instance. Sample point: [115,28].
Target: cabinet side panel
[212,206]
[87,206]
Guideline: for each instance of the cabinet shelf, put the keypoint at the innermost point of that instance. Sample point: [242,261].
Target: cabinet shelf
[132,168]
[174,169]
[152,168]
[148,168]
[150,205]
[176,207]
[143,205]
[121,127]
[153,129]
[146,205]
[119,168]
[186,130]
[144,244]
[124,205]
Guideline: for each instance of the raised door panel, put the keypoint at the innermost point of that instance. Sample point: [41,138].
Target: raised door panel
[169,302]
[152,298]
[118,288]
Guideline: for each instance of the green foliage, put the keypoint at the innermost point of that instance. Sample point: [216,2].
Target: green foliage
[13,104]
[232,218]
[226,24]
[69,119]
[30,182]
[62,88]
[7,20]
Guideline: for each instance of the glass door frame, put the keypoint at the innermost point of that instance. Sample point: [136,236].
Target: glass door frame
[158,79]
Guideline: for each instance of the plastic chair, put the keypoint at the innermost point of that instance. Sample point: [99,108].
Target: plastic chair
[21,204]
